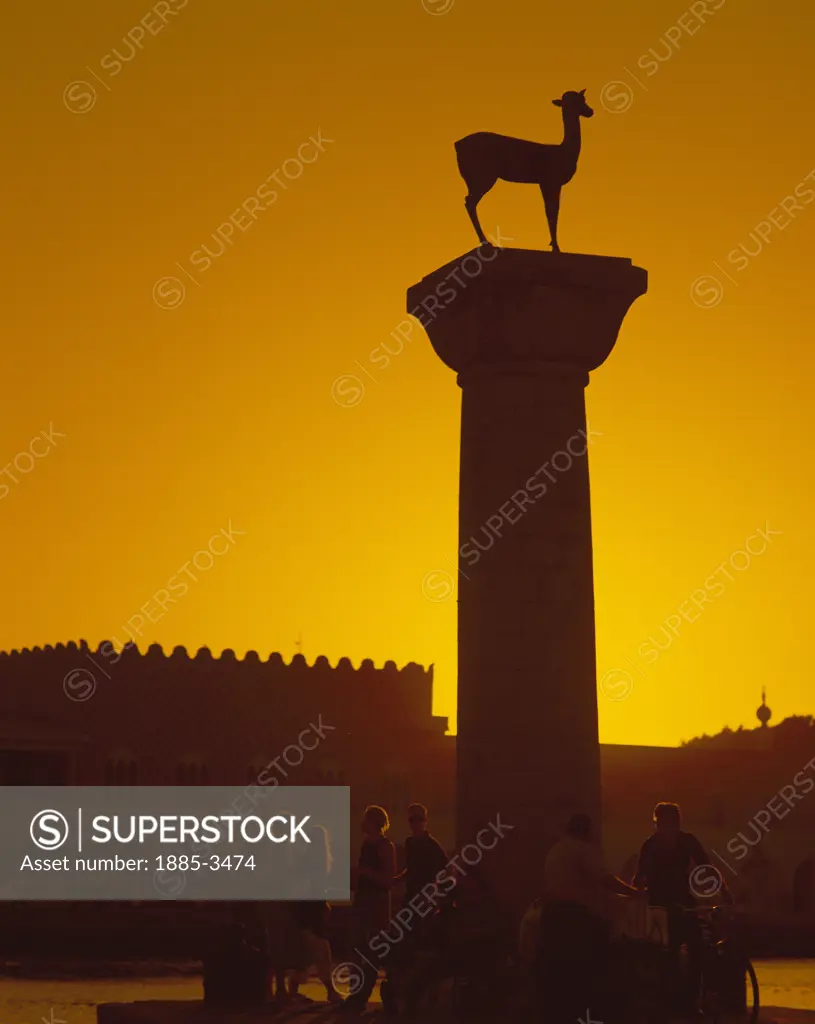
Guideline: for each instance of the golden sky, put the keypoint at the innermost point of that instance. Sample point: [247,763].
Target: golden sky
[325,130]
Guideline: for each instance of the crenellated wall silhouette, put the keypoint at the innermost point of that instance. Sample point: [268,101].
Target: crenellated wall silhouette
[85,671]
[93,715]
[107,651]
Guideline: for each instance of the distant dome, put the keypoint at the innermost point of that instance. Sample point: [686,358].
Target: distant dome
[763,714]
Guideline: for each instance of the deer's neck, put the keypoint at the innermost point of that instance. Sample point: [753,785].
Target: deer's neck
[571,135]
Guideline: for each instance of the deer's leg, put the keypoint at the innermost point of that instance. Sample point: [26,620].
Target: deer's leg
[551,201]
[474,197]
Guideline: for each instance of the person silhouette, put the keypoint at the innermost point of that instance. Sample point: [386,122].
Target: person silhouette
[575,935]
[665,869]
[424,854]
[374,876]
[311,916]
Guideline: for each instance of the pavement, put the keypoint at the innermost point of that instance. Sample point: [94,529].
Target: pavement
[195,1012]
[779,985]
[786,1015]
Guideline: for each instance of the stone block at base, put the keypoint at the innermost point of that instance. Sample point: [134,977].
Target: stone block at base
[156,1012]
[197,1012]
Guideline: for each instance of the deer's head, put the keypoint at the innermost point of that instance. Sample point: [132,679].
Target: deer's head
[575,103]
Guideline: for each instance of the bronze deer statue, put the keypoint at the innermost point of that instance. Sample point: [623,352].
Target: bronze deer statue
[485,157]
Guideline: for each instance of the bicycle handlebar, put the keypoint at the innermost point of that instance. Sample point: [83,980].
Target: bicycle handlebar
[701,910]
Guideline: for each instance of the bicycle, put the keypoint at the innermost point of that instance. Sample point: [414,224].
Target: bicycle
[729,983]
[648,972]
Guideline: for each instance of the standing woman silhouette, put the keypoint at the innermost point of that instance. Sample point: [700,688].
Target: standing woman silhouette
[375,876]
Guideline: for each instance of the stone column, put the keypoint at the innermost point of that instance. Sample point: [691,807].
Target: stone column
[522,329]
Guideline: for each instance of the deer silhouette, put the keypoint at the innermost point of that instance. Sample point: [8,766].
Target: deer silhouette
[485,157]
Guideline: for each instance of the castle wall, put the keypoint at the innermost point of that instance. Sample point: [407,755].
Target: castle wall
[92,717]
[154,719]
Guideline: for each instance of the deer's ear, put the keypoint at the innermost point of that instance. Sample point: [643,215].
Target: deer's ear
[558,103]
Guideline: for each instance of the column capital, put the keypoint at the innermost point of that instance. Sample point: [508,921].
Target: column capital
[523,312]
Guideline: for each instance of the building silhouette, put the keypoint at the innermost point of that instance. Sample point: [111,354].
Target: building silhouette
[72,715]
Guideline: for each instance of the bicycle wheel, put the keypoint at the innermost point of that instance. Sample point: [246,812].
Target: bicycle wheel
[751,984]
[730,987]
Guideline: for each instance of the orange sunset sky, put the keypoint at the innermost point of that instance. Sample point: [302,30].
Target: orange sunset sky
[180,411]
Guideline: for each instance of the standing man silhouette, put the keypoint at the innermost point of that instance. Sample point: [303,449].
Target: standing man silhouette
[424,855]
[667,860]
[575,931]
